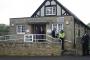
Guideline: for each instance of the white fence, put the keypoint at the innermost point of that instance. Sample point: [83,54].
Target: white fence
[34,37]
[30,38]
[8,37]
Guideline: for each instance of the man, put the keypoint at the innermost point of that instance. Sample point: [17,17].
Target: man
[53,33]
[62,36]
[85,44]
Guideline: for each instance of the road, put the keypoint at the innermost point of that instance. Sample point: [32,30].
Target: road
[47,58]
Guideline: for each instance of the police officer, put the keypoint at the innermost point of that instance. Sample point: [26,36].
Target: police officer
[85,44]
[62,36]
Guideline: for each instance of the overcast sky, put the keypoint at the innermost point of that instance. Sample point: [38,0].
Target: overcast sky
[25,8]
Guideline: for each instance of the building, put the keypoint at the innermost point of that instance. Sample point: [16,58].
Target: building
[51,14]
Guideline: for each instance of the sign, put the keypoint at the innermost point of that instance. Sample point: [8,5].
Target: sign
[28,38]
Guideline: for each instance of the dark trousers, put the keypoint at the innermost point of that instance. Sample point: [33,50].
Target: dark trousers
[62,43]
[85,49]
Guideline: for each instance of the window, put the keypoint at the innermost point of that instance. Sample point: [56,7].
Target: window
[20,29]
[58,27]
[79,33]
[51,10]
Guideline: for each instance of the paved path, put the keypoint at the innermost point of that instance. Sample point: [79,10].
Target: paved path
[47,58]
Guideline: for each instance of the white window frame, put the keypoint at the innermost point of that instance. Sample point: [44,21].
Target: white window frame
[28,38]
[50,10]
[21,29]
[58,27]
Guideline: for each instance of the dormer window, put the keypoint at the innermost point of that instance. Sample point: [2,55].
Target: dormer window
[50,10]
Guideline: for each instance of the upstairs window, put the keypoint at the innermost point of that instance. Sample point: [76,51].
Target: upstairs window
[51,10]
[20,29]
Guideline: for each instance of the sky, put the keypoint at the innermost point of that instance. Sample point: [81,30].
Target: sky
[25,8]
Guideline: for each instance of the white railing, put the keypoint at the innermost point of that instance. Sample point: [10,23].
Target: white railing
[30,38]
[40,38]
[8,37]
[34,37]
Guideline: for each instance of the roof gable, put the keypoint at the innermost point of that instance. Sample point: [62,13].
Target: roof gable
[60,10]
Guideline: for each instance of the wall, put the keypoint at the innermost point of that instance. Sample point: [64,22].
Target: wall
[4,33]
[14,22]
[29,49]
[79,32]
[69,32]
[68,28]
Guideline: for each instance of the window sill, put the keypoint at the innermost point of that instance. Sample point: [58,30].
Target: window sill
[20,33]
[50,14]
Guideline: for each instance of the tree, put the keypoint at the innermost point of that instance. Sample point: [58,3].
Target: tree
[88,24]
[4,29]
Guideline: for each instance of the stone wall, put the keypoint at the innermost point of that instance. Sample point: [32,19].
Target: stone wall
[29,49]
[69,34]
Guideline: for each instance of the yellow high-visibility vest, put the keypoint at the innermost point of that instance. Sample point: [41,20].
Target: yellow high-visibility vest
[61,35]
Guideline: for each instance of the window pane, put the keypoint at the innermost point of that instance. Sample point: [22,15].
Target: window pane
[60,27]
[54,26]
[23,28]
[20,28]
[54,10]
[50,10]
[47,11]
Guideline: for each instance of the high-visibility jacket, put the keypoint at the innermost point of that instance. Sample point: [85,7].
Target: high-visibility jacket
[61,35]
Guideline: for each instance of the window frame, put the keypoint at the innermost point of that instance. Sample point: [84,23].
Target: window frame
[20,29]
[52,10]
[58,27]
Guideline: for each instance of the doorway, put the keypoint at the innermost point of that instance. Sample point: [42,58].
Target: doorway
[39,28]
[39,31]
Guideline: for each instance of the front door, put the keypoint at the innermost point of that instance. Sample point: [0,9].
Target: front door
[39,29]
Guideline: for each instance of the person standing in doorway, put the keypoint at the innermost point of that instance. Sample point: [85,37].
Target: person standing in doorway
[62,36]
[85,44]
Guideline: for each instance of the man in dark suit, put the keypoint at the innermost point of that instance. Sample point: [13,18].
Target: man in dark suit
[53,33]
[85,44]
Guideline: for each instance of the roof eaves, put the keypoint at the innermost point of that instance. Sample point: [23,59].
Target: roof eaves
[71,13]
[39,8]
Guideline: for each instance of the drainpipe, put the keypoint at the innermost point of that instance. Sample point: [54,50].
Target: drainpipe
[74,45]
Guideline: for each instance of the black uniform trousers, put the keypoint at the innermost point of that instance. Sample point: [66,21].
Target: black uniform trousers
[62,39]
